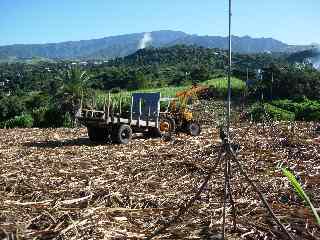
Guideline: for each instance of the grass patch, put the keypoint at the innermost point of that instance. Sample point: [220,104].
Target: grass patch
[218,86]
[222,83]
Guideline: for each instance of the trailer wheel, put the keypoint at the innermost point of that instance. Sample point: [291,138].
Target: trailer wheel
[122,134]
[97,134]
[193,128]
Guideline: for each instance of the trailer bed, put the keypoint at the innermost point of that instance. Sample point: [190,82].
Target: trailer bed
[90,117]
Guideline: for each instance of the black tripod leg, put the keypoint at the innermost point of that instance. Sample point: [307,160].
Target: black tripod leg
[234,216]
[261,196]
[183,209]
[225,196]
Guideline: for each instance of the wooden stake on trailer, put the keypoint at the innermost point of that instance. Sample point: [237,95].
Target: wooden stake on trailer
[119,110]
[112,111]
[131,109]
[139,118]
[104,108]
[81,103]
[108,108]
[120,103]
[148,117]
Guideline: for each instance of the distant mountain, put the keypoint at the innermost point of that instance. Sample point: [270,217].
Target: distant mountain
[239,44]
[123,45]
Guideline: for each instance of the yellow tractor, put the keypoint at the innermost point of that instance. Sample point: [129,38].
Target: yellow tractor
[178,116]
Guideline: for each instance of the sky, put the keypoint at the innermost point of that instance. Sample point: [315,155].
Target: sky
[47,21]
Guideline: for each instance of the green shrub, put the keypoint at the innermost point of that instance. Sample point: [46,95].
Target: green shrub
[23,121]
[39,117]
[257,112]
[53,117]
[304,109]
[11,106]
[260,112]
[67,121]
[3,124]
[36,100]
[309,111]
[279,113]
[48,117]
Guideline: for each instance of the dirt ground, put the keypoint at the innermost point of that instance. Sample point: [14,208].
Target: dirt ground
[55,183]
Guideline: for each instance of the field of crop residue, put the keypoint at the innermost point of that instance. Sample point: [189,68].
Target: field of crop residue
[55,183]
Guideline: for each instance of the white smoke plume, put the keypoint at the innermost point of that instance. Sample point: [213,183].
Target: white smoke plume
[316,64]
[147,38]
[316,59]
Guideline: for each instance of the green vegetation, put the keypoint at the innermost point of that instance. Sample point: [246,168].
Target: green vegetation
[219,87]
[50,92]
[301,109]
[22,121]
[261,112]
[301,193]
[290,81]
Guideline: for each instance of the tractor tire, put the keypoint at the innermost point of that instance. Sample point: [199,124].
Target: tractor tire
[122,134]
[167,126]
[97,134]
[193,128]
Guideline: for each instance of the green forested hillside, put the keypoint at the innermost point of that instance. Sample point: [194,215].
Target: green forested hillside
[47,93]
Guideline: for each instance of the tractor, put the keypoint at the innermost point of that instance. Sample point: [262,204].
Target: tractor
[178,116]
[145,116]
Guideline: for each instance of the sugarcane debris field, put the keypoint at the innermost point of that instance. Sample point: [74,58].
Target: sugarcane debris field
[56,183]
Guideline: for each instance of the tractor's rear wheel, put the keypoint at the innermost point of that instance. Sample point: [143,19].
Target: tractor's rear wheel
[193,128]
[122,134]
[97,134]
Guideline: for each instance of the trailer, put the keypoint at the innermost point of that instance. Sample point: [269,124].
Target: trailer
[144,116]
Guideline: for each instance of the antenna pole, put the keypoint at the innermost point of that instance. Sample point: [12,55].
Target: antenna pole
[229,72]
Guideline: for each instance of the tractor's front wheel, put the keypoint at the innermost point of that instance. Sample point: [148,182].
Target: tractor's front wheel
[167,126]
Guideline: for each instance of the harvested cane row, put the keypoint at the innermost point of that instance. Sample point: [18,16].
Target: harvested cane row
[55,183]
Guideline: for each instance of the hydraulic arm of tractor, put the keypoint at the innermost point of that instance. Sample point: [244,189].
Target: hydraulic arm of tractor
[183,98]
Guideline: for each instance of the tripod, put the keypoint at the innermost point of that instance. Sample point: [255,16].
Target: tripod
[227,155]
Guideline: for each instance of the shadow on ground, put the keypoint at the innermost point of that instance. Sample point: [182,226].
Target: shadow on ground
[63,143]
[82,141]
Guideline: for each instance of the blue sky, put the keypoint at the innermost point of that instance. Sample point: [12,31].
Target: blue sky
[42,21]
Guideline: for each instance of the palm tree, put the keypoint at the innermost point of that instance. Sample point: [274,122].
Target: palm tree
[73,89]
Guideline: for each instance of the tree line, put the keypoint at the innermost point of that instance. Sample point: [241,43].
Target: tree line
[47,93]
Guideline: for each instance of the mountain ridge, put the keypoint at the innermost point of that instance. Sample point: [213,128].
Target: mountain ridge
[126,44]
